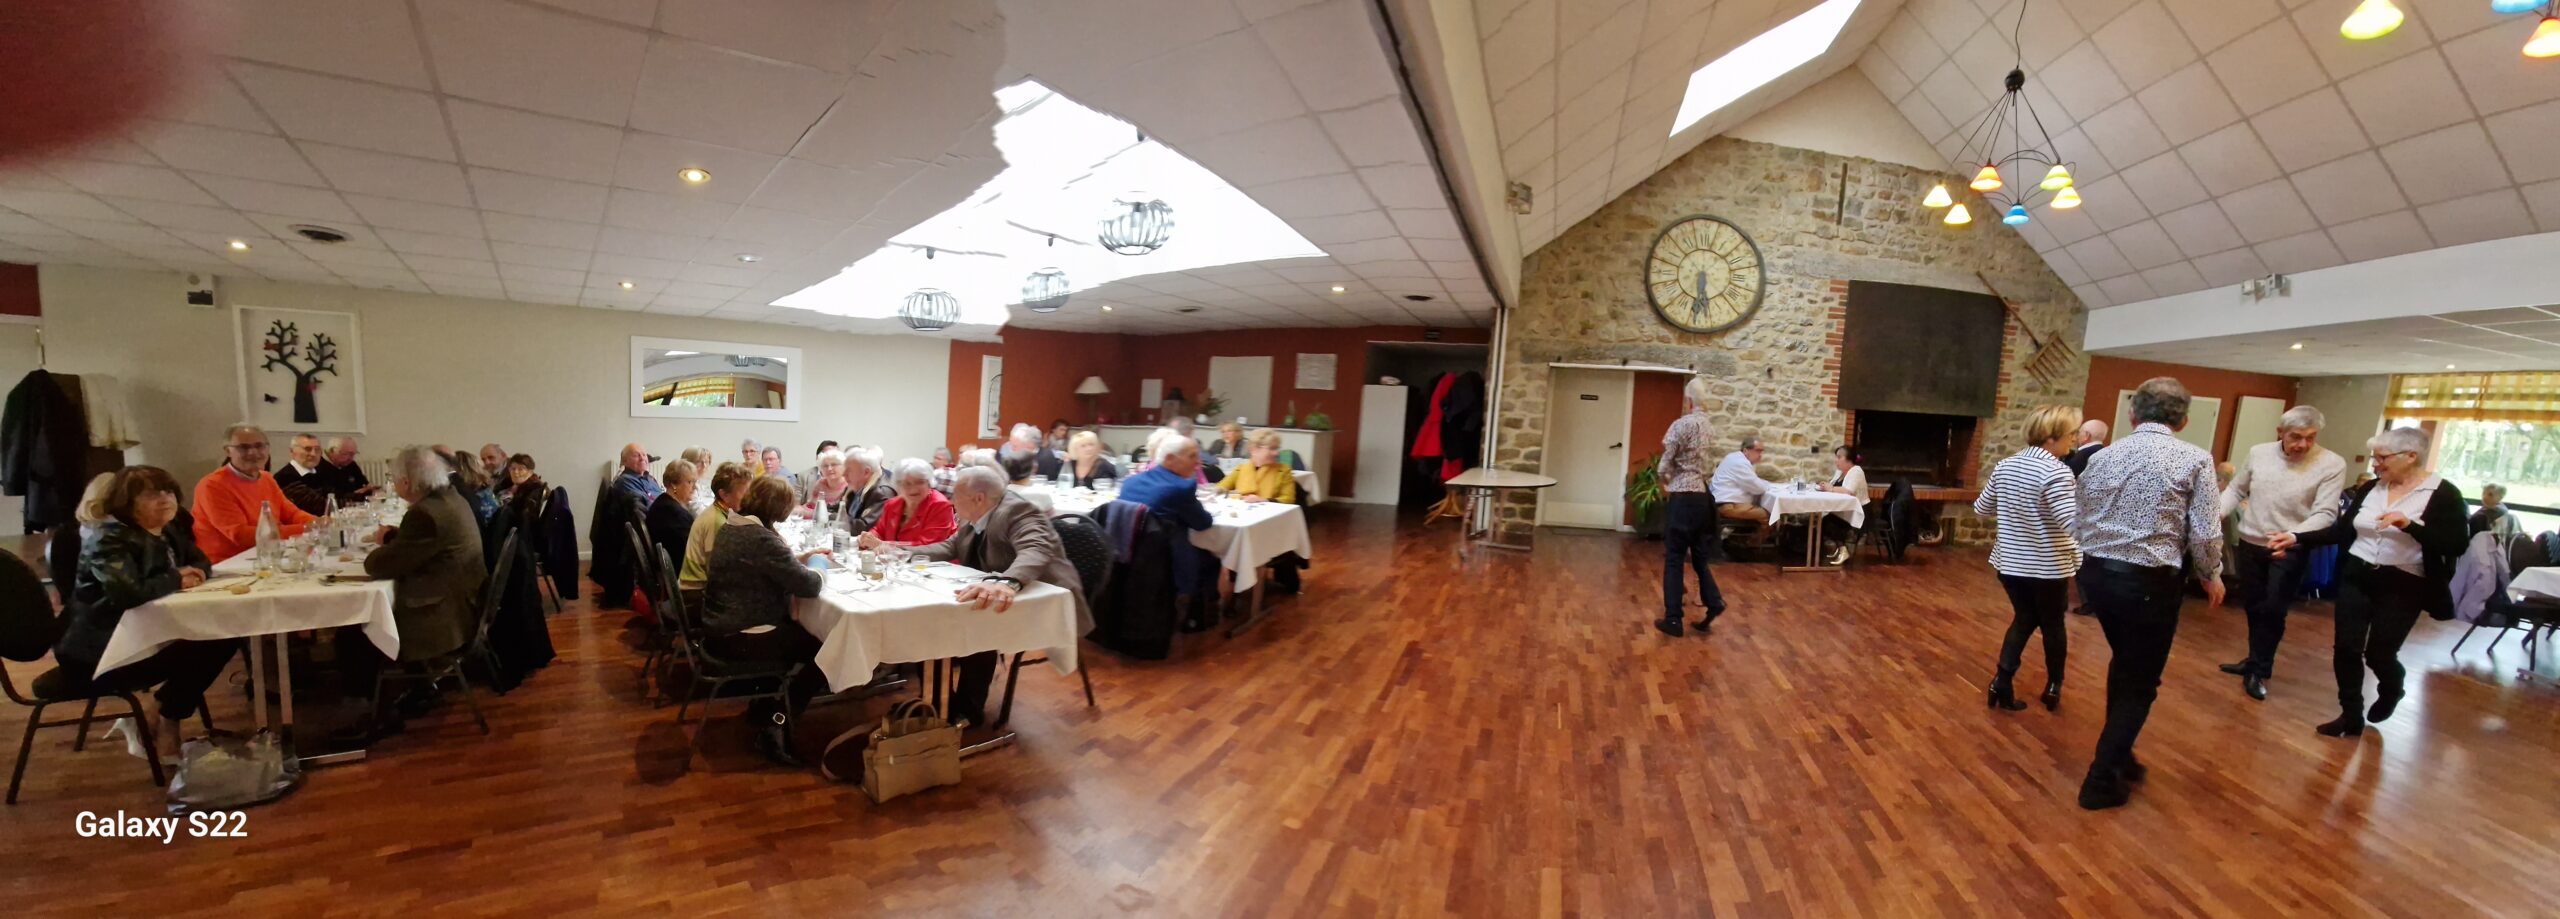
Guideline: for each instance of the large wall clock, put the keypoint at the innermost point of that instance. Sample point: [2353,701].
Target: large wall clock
[1704,275]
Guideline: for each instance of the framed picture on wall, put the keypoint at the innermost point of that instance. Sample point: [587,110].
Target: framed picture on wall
[299,370]
[990,387]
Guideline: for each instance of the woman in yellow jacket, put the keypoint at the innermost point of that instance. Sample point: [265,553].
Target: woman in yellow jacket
[1263,477]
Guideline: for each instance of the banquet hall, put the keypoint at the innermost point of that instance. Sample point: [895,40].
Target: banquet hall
[1281,457]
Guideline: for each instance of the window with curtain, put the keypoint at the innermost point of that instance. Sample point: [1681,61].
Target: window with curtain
[2490,428]
[2521,396]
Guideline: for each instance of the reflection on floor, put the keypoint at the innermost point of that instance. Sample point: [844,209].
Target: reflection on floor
[1505,736]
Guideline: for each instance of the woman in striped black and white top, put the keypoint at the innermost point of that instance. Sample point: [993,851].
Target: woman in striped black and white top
[2034,500]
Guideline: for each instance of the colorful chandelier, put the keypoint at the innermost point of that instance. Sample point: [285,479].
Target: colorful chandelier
[2008,154]
[2374,19]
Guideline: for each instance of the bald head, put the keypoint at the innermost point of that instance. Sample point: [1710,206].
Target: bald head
[2093,431]
[976,491]
[635,459]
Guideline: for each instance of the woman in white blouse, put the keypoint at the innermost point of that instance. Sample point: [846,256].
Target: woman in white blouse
[2403,531]
[1847,478]
[2033,499]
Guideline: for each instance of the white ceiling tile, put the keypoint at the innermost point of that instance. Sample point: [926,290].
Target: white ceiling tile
[128,180]
[539,231]
[536,59]
[1213,87]
[197,148]
[2528,138]
[2129,288]
[180,216]
[1431,223]
[2125,133]
[2380,236]
[805,187]
[2348,189]
[2492,215]
[367,39]
[215,101]
[2267,66]
[2173,279]
[410,242]
[2223,269]
[2163,183]
[366,172]
[1596,39]
[2405,97]
[332,254]
[281,226]
[650,162]
[1292,148]
[671,213]
[2145,246]
[1377,134]
[1405,186]
[2094,14]
[2211,23]
[2494,77]
[430,268]
[2446,164]
[2309,130]
[818,33]
[2318,24]
[2544,200]
[2083,81]
[514,275]
[768,227]
[122,233]
[2229,160]
[1910,47]
[539,196]
[276,198]
[392,213]
[2299,253]
[1344,228]
[2099,257]
[2201,230]
[695,91]
[2110,205]
[1960,99]
[1319,47]
[1948,22]
[536,144]
[629,266]
[348,113]
[1319,196]
[2188,104]
[647,244]
[2144,44]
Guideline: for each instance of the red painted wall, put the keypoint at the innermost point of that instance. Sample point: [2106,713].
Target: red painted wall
[2108,375]
[1655,406]
[1042,369]
[18,293]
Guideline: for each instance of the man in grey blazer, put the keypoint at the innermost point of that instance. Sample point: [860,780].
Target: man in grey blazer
[434,561]
[1011,540]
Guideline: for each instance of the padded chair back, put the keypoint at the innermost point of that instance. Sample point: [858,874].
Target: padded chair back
[643,575]
[495,594]
[27,628]
[1295,463]
[673,612]
[1088,549]
[2525,553]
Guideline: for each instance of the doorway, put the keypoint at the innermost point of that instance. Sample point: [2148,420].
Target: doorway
[2254,425]
[1587,417]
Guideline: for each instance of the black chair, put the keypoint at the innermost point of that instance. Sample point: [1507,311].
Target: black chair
[435,670]
[749,680]
[656,587]
[27,632]
[1085,546]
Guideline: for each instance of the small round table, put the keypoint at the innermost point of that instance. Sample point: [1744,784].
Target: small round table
[1480,485]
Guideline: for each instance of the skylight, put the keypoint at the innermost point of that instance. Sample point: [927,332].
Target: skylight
[1065,166]
[1762,59]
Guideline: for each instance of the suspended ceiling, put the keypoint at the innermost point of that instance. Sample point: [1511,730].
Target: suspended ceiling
[2519,338]
[522,150]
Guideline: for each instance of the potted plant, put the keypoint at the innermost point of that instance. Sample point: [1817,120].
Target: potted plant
[1210,405]
[1316,419]
[1644,494]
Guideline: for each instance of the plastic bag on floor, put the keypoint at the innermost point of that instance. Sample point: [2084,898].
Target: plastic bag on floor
[225,771]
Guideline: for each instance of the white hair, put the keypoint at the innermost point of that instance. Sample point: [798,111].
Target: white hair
[232,432]
[912,468]
[982,457]
[2301,418]
[1157,436]
[1696,391]
[334,441]
[423,469]
[751,444]
[2400,440]
[980,481]
[1025,432]
[831,456]
[1171,446]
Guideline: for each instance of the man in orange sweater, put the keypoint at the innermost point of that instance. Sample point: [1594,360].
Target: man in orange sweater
[227,498]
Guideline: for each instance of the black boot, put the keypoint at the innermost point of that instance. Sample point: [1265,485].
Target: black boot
[2384,704]
[2053,696]
[2348,724]
[2003,697]
[2103,788]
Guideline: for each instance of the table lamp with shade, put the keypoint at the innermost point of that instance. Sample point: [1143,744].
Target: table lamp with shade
[1091,388]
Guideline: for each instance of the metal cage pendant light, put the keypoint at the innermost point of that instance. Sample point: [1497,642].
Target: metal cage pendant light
[1135,227]
[929,309]
[1045,291]
[2016,168]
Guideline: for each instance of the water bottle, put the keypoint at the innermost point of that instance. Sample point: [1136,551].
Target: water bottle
[270,547]
[332,534]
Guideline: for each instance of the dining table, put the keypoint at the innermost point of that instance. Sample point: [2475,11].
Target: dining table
[911,614]
[1811,502]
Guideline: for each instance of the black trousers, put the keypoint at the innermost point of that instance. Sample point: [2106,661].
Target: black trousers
[1688,535]
[977,675]
[2376,609]
[183,670]
[2036,604]
[783,644]
[2137,608]
[2267,587]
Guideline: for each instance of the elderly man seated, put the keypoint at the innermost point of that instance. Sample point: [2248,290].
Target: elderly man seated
[634,478]
[300,477]
[436,567]
[1013,542]
[1737,485]
[1025,441]
[339,473]
[228,498]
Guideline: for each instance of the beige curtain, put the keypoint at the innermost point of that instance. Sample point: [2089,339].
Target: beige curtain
[2518,396]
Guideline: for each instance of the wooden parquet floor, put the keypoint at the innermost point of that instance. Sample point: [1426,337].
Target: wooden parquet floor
[1417,736]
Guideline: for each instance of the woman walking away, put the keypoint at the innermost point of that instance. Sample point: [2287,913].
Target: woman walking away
[2034,500]
[2403,531]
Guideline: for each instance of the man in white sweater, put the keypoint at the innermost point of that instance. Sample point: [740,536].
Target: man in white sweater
[2289,486]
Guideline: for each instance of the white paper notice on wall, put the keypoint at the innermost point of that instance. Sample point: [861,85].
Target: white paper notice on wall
[1150,392]
[1315,371]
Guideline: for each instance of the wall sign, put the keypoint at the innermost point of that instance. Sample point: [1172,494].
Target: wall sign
[300,370]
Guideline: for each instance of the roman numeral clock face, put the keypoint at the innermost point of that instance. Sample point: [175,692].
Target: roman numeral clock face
[1703,275]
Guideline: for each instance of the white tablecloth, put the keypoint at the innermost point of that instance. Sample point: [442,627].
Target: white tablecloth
[903,622]
[1243,536]
[2539,582]
[1781,501]
[1307,484]
[276,604]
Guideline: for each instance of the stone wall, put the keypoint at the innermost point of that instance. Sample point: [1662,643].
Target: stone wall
[1582,299]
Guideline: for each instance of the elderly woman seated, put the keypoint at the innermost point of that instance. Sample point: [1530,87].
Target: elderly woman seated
[1156,440]
[752,578]
[1262,476]
[919,515]
[131,557]
[670,518]
[1085,462]
[830,487]
[1231,443]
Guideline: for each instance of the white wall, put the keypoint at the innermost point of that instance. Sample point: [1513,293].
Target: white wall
[2353,407]
[2495,274]
[1846,115]
[552,381]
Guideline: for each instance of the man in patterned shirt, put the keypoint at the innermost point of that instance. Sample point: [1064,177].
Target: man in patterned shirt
[2147,503]
[1689,516]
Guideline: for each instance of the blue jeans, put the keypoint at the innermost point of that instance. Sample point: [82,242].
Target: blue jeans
[1688,535]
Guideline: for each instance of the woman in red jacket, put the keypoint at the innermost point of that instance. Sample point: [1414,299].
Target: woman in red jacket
[919,515]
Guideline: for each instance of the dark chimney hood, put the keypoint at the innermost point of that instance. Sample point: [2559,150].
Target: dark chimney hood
[1923,350]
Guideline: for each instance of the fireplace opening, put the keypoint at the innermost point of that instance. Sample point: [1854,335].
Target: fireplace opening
[1922,449]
